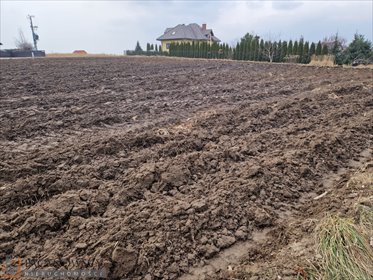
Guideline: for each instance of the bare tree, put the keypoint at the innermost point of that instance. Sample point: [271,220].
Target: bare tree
[269,50]
[335,41]
[22,43]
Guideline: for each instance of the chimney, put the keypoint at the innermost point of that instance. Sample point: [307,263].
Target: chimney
[204,26]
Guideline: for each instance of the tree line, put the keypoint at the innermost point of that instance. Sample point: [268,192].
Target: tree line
[200,50]
[151,50]
[253,48]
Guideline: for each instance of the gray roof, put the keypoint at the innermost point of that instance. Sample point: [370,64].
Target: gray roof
[192,32]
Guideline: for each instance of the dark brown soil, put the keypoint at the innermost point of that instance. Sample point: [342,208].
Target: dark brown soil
[149,167]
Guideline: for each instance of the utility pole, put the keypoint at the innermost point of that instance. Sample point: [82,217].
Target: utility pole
[35,36]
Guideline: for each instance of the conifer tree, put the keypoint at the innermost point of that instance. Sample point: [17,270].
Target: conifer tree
[239,52]
[242,50]
[204,50]
[171,49]
[228,51]
[312,49]
[290,48]
[300,49]
[245,55]
[360,48]
[178,49]
[284,51]
[256,50]
[208,50]
[253,50]
[235,51]
[306,53]
[319,48]
[324,50]
[261,50]
[295,48]
[138,47]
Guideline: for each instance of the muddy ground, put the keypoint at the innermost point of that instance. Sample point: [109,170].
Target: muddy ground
[152,168]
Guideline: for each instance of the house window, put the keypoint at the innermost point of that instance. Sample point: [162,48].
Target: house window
[168,46]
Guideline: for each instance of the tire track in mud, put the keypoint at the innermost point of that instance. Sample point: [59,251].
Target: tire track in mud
[239,146]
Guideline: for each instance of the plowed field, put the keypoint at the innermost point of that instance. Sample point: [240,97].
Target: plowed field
[153,167]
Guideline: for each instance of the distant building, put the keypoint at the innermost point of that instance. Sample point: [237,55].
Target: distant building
[80,52]
[187,34]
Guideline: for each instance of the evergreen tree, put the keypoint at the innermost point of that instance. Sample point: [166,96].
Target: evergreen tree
[300,49]
[274,47]
[245,54]
[171,50]
[230,54]
[138,47]
[238,51]
[324,50]
[254,49]
[295,48]
[360,48]
[284,51]
[242,50]
[186,50]
[156,48]
[306,53]
[261,50]
[318,48]
[174,47]
[290,48]
[177,49]
[152,47]
[204,50]
[235,51]
[312,49]
[216,50]
[147,47]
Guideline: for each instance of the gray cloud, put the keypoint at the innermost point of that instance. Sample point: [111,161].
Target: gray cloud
[114,26]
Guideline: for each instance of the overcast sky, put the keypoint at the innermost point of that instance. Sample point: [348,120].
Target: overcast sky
[114,26]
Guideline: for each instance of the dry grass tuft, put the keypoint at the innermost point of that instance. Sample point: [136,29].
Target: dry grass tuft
[344,248]
[322,60]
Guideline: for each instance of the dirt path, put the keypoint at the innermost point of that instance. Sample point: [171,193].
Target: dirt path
[151,167]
